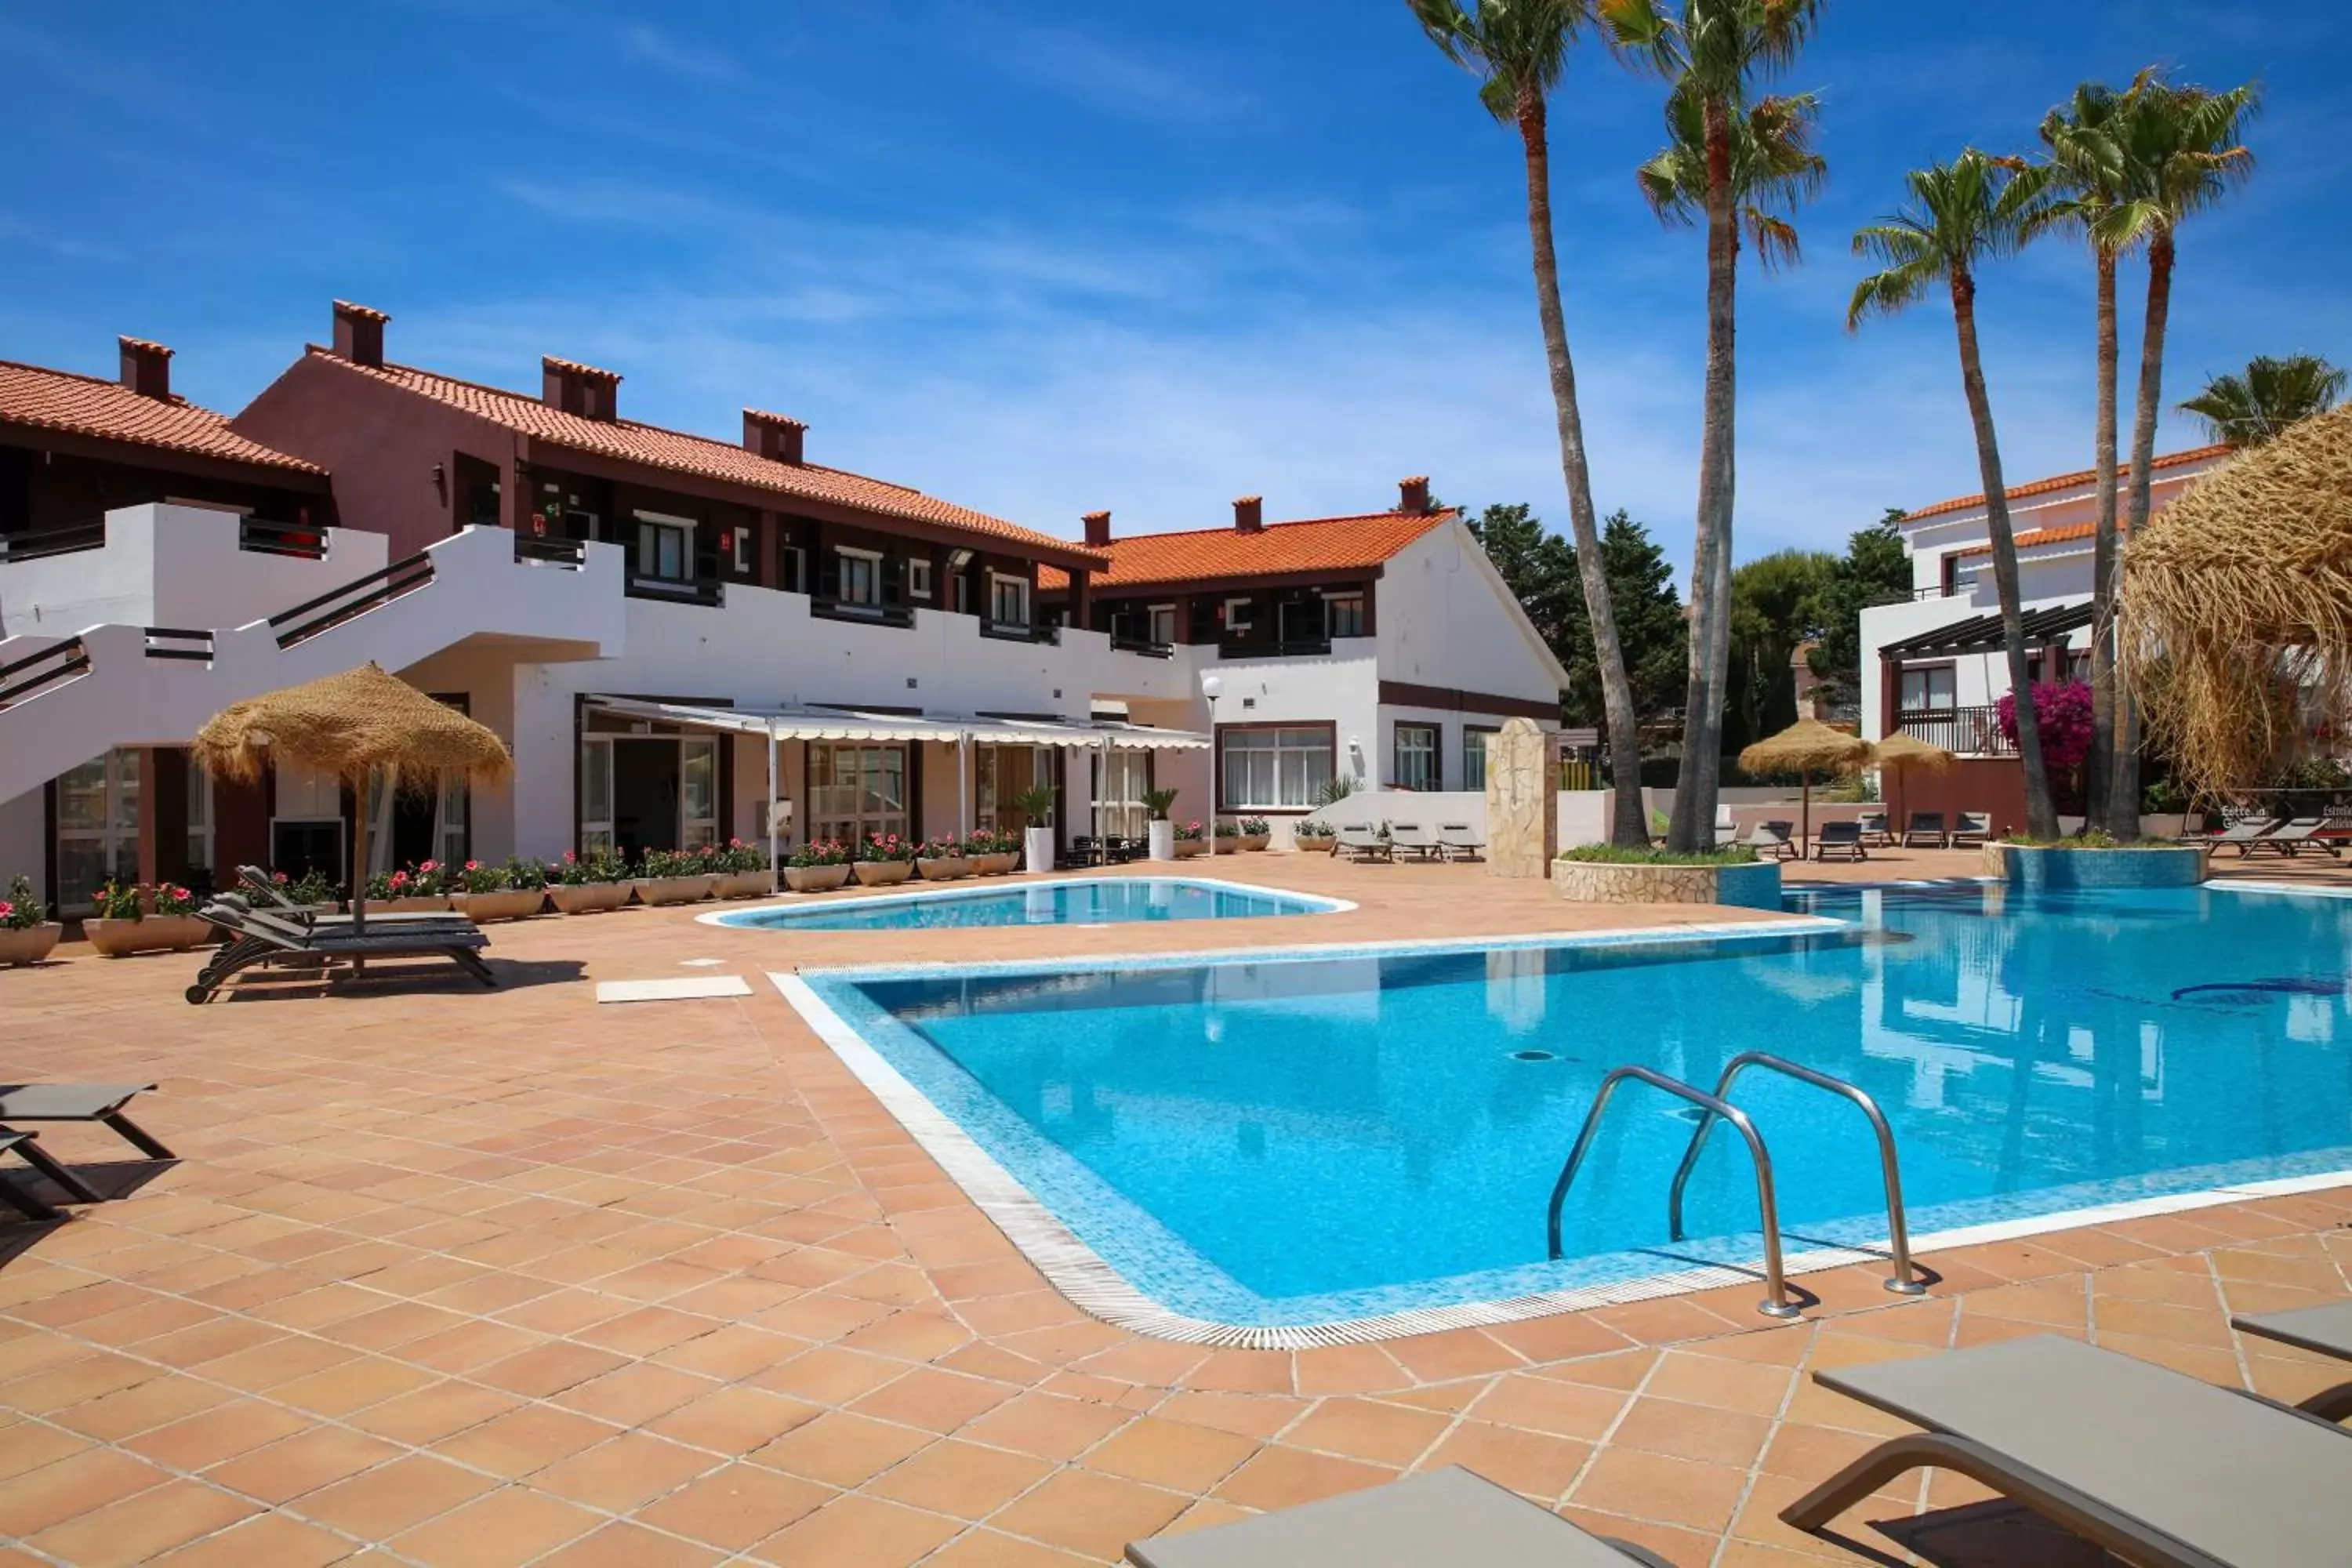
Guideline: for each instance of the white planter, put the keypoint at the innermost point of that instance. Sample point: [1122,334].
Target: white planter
[1163,840]
[1037,845]
[2172,825]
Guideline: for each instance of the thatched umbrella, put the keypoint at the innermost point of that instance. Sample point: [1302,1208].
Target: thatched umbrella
[1805,748]
[352,725]
[2235,610]
[1901,753]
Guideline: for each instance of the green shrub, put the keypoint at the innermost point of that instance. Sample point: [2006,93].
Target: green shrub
[1613,855]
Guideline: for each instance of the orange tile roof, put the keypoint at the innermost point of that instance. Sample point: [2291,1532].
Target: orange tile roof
[678,452]
[2044,536]
[2065,482]
[76,404]
[1214,554]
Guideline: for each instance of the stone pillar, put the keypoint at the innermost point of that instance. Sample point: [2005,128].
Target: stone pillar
[1522,813]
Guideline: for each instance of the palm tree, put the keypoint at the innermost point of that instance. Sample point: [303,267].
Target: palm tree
[1963,214]
[2181,153]
[1713,51]
[2247,410]
[1518,50]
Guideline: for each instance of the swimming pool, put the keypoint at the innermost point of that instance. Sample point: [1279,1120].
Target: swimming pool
[1339,1137]
[1102,901]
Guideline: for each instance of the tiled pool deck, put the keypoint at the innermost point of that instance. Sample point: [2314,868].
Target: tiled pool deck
[452,1276]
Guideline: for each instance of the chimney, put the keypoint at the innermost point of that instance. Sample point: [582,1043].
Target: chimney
[1098,529]
[773,437]
[147,368]
[1413,494]
[1249,514]
[359,333]
[577,388]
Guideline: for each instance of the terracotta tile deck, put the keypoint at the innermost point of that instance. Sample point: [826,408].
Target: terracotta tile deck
[451,1276]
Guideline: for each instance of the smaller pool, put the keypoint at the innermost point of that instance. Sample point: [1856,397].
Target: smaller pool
[1091,901]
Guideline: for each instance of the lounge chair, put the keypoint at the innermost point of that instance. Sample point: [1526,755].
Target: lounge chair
[258,891]
[1362,843]
[100,1102]
[2244,832]
[1975,828]
[260,938]
[2290,839]
[2158,1468]
[1876,835]
[1411,837]
[2323,1330]
[1772,836]
[1927,825]
[1727,830]
[28,1146]
[1461,841]
[1840,841]
[1442,1516]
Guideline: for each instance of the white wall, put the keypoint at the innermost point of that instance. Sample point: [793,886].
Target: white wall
[22,822]
[1445,618]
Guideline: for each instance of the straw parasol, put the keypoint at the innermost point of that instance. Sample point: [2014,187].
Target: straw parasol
[1902,751]
[2236,609]
[1805,748]
[353,725]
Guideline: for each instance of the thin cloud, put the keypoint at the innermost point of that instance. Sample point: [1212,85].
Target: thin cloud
[1104,76]
[651,46]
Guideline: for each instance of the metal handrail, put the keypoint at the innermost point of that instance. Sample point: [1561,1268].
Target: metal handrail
[165,642]
[377,588]
[1776,1302]
[1906,1281]
[70,538]
[70,657]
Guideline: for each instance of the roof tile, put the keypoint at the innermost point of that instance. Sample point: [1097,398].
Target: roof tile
[2065,482]
[76,404]
[1214,554]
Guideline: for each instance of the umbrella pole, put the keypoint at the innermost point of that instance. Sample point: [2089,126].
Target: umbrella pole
[772,808]
[1805,832]
[359,865]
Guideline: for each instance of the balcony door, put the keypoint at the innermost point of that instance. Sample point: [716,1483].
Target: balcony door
[97,827]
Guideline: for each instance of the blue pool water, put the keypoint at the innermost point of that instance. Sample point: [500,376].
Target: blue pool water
[1285,1141]
[1110,900]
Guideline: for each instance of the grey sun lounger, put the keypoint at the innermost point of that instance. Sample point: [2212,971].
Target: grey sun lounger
[1447,1516]
[261,938]
[28,1146]
[1362,843]
[1840,841]
[1927,825]
[1874,832]
[100,1102]
[1975,828]
[258,892]
[1461,841]
[2245,832]
[2323,1330]
[1411,837]
[2290,837]
[1772,836]
[2160,1469]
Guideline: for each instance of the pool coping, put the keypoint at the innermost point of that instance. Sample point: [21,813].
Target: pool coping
[1096,1286]
[1325,904]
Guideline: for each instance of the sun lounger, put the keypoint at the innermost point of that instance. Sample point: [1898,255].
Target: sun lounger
[1444,1516]
[100,1102]
[2290,839]
[1361,842]
[1975,828]
[258,891]
[1874,832]
[1461,841]
[1772,836]
[261,937]
[28,1145]
[2244,832]
[2160,1469]
[1840,841]
[2323,1330]
[1927,825]
[1411,837]
[1727,830]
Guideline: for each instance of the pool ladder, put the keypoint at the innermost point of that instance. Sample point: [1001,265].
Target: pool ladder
[1714,1107]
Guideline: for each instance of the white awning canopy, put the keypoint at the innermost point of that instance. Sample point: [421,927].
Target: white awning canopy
[806,723]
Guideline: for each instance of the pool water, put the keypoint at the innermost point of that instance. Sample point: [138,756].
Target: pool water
[1297,1140]
[1109,901]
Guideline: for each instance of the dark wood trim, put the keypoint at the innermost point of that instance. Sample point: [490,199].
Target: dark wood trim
[49,844]
[1217,763]
[1453,699]
[161,459]
[1342,579]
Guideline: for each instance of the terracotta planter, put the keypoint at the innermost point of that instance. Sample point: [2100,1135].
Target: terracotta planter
[1253,842]
[434,904]
[589,898]
[884,873]
[815,878]
[156,933]
[673,889]
[28,944]
[744,884]
[946,868]
[996,865]
[506,904]
[1229,843]
[1188,848]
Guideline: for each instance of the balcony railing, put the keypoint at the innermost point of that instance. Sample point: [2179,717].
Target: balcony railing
[1964,731]
[177,642]
[1143,646]
[708,591]
[1020,631]
[65,540]
[264,538]
[35,673]
[1294,647]
[572,553]
[353,599]
[900,616]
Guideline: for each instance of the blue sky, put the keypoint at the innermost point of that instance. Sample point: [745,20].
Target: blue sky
[1145,257]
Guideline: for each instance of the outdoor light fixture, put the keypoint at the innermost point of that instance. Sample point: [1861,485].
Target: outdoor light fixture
[1212,687]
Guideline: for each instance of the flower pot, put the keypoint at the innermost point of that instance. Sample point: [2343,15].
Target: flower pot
[995,864]
[1186,848]
[2173,825]
[944,869]
[1229,843]
[156,933]
[673,889]
[505,904]
[744,884]
[589,898]
[815,878]
[884,873]
[1162,835]
[429,903]
[1037,850]
[28,944]
[1253,842]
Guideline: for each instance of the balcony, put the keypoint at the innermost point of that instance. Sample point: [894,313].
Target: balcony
[1144,646]
[48,541]
[708,591]
[898,616]
[569,553]
[296,540]
[1294,647]
[1963,731]
[1020,631]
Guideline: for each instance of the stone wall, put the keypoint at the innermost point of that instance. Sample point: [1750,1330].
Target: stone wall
[1522,829]
[1753,887]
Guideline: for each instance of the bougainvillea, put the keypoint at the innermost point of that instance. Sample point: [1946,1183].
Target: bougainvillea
[2063,715]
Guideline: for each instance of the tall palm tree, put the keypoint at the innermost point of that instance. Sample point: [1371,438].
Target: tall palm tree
[2181,152]
[2248,410]
[1714,51]
[1518,50]
[1960,215]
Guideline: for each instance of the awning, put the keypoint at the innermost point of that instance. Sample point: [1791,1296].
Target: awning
[1982,634]
[812,723]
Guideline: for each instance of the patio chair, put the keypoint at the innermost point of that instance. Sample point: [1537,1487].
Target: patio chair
[2158,1468]
[2323,1330]
[260,937]
[2243,832]
[1360,842]
[1444,1516]
[100,1102]
[1461,841]
[2290,839]
[28,1147]
[1876,833]
[1840,841]
[1411,837]
[1927,825]
[1774,836]
[1975,829]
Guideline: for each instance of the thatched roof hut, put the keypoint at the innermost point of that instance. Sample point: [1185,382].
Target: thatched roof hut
[2235,610]
[351,725]
[1806,747]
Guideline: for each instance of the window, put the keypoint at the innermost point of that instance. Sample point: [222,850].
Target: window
[861,576]
[1273,768]
[1002,772]
[1159,623]
[1343,614]
[97,827]
[856,791]
[1473,757]
[1299,620]
[918,577]
[742,541]
[697,793]
[1008,600]
[1416,757]
[1239,617]
[200,820]
[664,549]
[792,563]
[596,795]
[1120,779]
[1929,689]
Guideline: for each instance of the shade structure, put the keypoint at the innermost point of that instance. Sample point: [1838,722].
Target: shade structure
[353,725]
[1904,752]
[1805,748]
[2234,617]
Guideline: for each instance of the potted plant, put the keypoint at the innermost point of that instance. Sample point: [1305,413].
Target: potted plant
[2164,811]
[671,877]
[139,919]
[743,871]
[1256,833]
[993,854]
[942,860]
[587,887]
[496,893]
[27,933]
[817,867]
[1310,834]
[421,886]
[1227,836]
[1037,840]
[1191,840]
[884,860]
[1161,831]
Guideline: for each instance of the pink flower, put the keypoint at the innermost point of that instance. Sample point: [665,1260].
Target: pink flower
[6,909]
[430,866]
[400,879]
[473,864]
[279,878]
